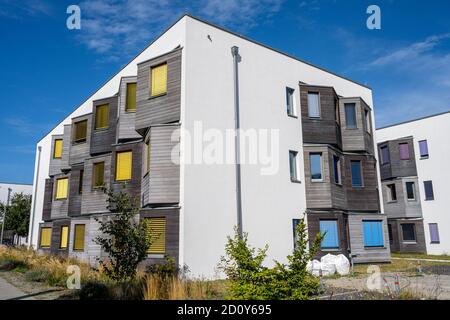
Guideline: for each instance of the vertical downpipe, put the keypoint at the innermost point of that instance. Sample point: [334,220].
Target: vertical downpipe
[237,139]
[36,183]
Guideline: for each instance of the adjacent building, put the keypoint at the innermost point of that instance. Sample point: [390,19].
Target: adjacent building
[141,131]
[414,182]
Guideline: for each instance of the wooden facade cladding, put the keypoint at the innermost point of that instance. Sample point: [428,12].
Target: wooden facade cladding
[365,198]
[59,206]
[132,186]
[359,138]
[402,207]
[56,237]
[161,185]
[102,139]
[126,120]
[396,237]
[326,128]
[356,236]
[397,167]
[55,163]
[48,199]
[314,218]
[74,190]
[164,108]
[172,217]
[67,142]
[94,200]
[79,151]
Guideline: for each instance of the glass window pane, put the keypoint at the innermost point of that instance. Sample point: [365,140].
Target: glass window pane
[293,164]
[404,151]
[313,105]
[385,158]
[429,193]
[316,166]
[408,231]
[434,233]
[410,193]
[350,115]
[290,101]
[337,169]
[423,146]
[356,173]
[80,131]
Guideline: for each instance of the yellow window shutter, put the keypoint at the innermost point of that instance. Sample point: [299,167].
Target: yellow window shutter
[78,242]
[64,237]
[99,172]
[158,80]
[62,186]
[57,149]
[156,231]
[80,131]
[131,97]
[102,116]
[123,165]
[46,237]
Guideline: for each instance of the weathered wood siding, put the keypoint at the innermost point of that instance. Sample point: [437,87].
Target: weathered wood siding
[55,164]
[80,151]
[126,124]
[94,200]
[59,207]
[324,129]
[172,217]
[160,109]
[82,255]
[164,175]
[356,236]
[397,167]
[103,139]
[56,237]
[397,243]
[67,143]
[48,199]
[402,207]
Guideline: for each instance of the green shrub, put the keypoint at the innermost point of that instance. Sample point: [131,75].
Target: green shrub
[13,264]
[94,291]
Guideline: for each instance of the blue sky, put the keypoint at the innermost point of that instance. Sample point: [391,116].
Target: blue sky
[48,70]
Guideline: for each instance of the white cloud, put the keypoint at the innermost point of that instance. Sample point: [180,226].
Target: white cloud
[28,8]
[121,27]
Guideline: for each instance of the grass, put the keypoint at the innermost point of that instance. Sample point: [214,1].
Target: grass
[420,256]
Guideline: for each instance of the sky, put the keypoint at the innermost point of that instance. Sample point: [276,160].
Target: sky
[47,70]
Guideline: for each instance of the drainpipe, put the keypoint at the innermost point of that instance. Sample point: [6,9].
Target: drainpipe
[4,215]
[30,238]
[237,138]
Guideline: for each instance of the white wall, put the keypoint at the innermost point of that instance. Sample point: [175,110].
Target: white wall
[436,131]
[269,202]
[15,187]
[171,39]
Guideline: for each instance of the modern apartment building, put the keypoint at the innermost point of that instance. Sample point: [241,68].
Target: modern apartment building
[414,182]
[141,132]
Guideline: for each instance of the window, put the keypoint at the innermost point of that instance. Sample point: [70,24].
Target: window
[295,223]
[158,80]
[373,234]
[78,237]
[428,186]
[123,165]
[293,165]
[385,158]
[403,149]
[337,169]
[64,237]
[80,185]
[315,160]
[46,237]
[157,233]
[409,232]
[434,233]
[356,173]
[98,176]
[130,104]
[350,115]
[392,193]
[330,230]
[290,101]
[313,105]
[423,147]
[80,129]
[410,192]
[57,149]
[147,163]
[367,117]
[102,116]
[61,188]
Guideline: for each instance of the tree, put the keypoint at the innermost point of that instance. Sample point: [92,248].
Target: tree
[123,239]
[18,214]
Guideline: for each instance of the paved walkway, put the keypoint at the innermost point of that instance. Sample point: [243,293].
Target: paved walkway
[8,291]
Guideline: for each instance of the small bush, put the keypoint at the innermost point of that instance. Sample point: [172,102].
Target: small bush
[13,264]
[94,291]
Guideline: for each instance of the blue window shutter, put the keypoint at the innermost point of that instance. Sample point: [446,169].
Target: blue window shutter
[373,234]
[331,239]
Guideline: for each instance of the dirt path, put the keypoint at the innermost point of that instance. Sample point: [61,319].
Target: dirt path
[8,291]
